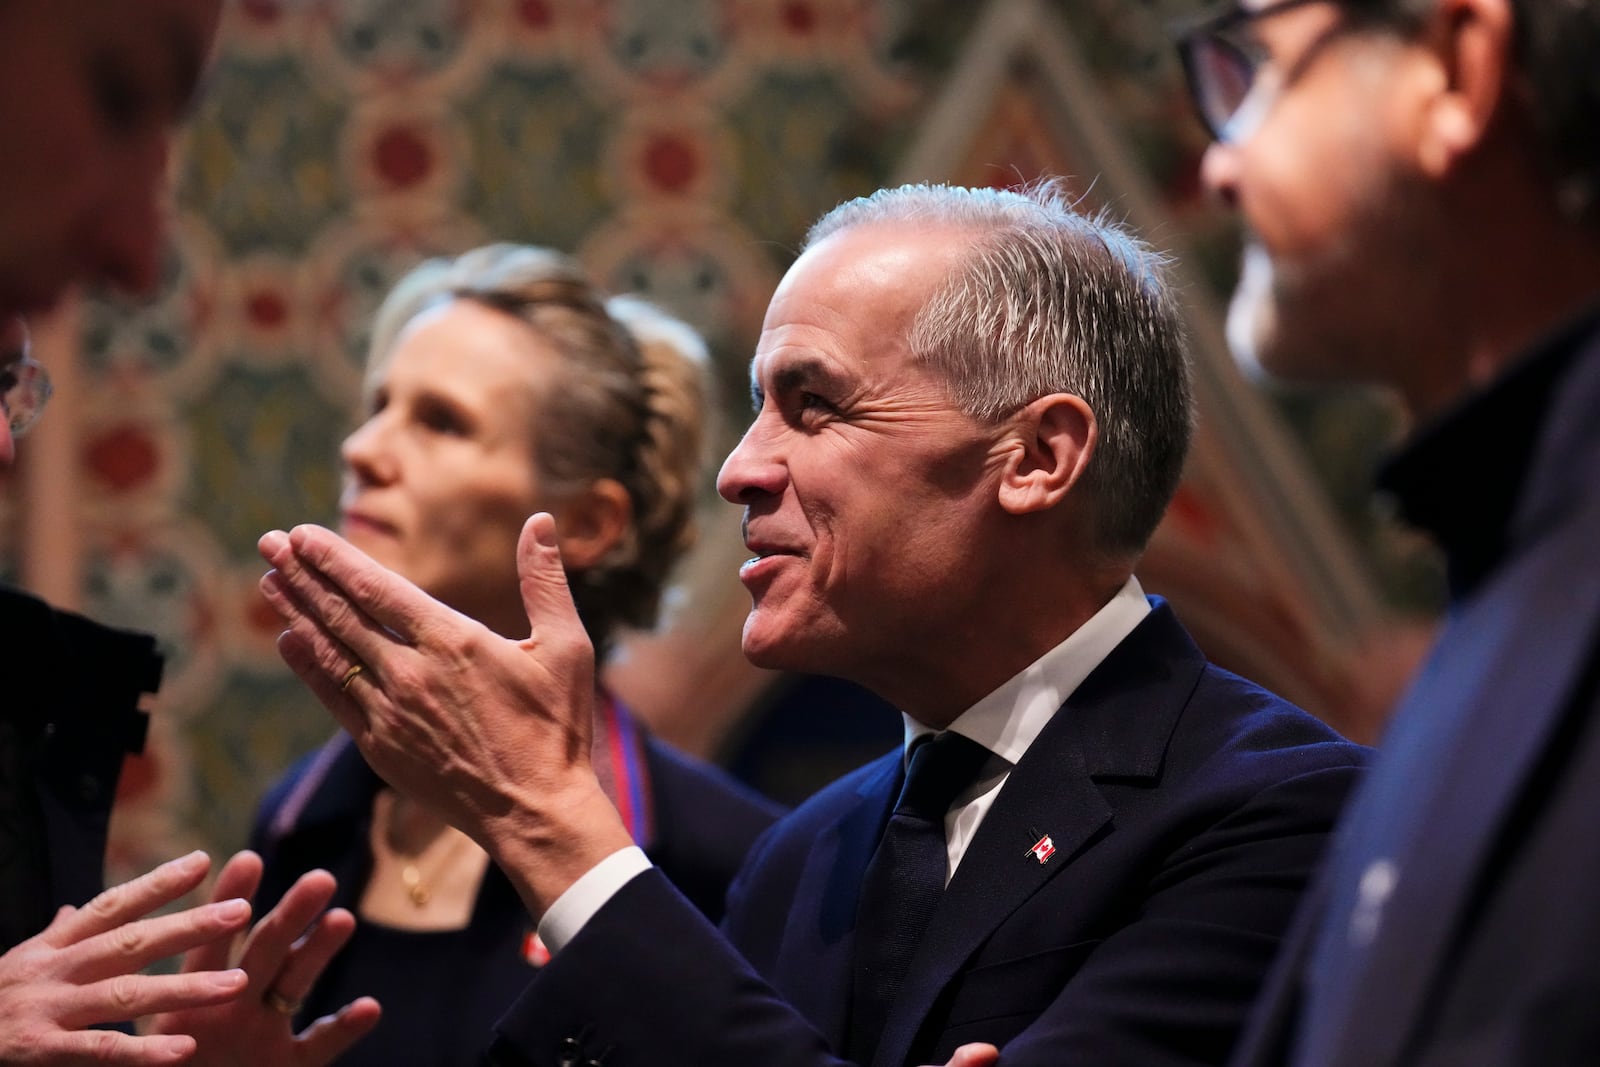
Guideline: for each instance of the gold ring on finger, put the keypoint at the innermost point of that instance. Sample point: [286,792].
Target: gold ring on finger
[280,1003]
[349,676]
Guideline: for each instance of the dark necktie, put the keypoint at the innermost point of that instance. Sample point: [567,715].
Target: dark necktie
[904,881]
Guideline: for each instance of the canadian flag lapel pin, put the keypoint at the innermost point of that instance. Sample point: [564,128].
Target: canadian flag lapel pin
[533,949]
[1042,849]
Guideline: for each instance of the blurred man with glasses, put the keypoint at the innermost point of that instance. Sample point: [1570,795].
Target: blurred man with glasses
[1418,180]
[90,94]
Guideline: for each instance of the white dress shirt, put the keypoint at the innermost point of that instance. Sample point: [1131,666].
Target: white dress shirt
[1005,722]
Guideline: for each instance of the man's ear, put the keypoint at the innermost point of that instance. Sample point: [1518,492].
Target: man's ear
[1051,441]
[1473,42]
[591,522]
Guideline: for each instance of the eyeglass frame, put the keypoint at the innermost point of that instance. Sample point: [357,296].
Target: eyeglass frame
[1191,36]
[24,399]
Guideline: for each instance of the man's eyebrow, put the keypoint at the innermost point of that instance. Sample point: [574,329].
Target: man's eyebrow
[801,372]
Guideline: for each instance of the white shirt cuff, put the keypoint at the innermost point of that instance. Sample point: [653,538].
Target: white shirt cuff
[588,895]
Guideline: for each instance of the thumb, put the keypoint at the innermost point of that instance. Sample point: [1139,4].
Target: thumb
[543,580]
[974,1055]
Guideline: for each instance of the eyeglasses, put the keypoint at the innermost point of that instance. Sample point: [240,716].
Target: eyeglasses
[24,384]
[1221,66]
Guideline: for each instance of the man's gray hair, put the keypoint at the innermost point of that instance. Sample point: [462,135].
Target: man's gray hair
[1050,300]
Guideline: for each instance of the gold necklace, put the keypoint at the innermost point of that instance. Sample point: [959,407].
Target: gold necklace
[419,867]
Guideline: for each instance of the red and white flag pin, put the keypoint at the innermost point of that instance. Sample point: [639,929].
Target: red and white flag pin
[1042,849]
[533,949]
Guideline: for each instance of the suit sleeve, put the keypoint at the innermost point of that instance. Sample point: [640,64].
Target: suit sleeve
[648,980]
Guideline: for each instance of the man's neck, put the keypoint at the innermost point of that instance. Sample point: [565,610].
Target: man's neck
[935,685]
[1517,275]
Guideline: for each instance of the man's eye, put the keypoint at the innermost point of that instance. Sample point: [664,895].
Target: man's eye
[121,100]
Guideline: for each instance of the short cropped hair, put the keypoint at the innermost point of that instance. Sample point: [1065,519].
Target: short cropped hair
[1050,300]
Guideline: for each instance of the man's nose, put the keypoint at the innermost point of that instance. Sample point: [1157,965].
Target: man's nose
[752,469]
[1219,172]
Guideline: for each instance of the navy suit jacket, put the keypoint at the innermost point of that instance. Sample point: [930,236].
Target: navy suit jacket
[1456,922]
[1187,807]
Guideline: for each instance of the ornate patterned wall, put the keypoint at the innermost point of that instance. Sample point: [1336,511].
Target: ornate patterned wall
[679,147]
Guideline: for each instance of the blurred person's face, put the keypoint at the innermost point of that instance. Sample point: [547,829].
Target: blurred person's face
[865,488]
[13,350]
[1319,163]
[90,92]
[442,474]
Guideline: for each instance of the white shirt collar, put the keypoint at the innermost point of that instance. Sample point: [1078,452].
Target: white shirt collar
[1009,718]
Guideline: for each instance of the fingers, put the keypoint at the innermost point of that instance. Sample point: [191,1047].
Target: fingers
[269,944]
[126,997]
[302,659]
[138,943]
[239,879]
[318,611]
[91,1047]
[328,1038]
[974,1055]
[309,956]
[375,592]
[130,900]
[545,593]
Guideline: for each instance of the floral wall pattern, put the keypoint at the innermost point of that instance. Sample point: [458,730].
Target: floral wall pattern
[678,147]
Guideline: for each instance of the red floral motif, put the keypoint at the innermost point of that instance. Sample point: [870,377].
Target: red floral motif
[671,163]
[536,13]
[799,17]
[401,157]
[123,457]
[266,309]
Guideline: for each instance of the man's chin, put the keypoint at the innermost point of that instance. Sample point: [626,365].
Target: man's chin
[773,648]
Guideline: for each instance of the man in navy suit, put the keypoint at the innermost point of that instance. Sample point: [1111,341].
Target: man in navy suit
[1421,182]
[972,410]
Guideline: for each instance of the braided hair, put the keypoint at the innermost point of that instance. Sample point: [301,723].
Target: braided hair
[629,404]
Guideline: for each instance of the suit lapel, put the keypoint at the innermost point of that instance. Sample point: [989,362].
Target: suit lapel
[1117,723]
[814,969]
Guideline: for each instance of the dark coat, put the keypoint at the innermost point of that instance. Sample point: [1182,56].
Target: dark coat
[1456,923]
[68,715]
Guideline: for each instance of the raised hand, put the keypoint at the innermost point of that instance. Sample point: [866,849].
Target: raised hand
[490,733]
[83,971]
[283,956]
